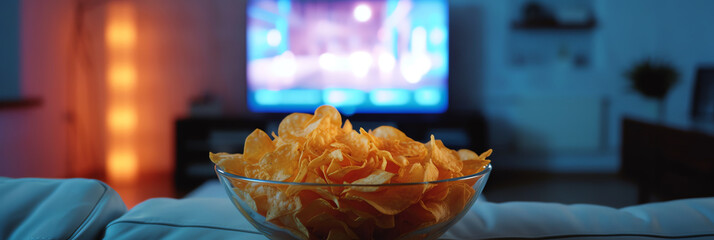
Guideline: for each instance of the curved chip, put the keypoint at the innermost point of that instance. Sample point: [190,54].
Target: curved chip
[280,204]
[465,154]
[485,154]
[390,201]
[329,114]
[233,163]
[357,145]
[390,133]
[280,164]
[474,166]
[257,144]
[293,125]
[445,159]
[377,177]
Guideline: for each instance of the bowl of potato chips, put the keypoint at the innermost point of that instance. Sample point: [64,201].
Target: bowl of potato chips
[318,178]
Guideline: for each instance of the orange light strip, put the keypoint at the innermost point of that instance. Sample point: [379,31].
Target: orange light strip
[122,164]
[122,77]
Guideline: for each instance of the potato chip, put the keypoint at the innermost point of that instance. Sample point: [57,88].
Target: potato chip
[339,234]
[474,166]
[280,204]
[445,159]
[355,144]
[316,165]
[233,162]
[350,174]
[330,114]
[260,195]
[437,192]
[456,197]
[347,127]
[377,177]
[431,172]
[413,151]
[257,144]
[473,163]
[294,225]
[243,195]
[411,173]
[294,125]
[390,201]
[280,164]
[399,144]
[465,154]
[324,223]
[314,208]
[390,133]
[485,154]
[360,212]
[319,148]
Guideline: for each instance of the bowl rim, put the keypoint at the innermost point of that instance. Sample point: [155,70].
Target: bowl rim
[223,172]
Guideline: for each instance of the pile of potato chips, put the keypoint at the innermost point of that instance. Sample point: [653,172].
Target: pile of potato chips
[320,149]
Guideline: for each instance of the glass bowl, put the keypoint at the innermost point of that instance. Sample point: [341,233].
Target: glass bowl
[289,210]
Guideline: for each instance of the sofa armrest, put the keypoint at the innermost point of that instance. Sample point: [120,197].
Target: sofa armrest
[34,208]
[192,218]
[688,218]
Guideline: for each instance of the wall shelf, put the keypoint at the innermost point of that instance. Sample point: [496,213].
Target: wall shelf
[21,103]
[520,25]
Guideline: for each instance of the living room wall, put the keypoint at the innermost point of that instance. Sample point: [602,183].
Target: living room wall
[32,142]
[9,50]
[570,99]
[185,50]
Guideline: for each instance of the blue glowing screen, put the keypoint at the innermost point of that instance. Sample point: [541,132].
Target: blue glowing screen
[373,56]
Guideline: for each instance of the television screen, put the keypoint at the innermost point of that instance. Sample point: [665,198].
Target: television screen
[361,56]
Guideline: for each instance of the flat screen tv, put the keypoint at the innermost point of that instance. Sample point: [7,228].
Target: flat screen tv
[361,56]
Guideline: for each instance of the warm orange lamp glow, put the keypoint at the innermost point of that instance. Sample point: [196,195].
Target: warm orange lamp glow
[122,165]
[122,120]
[121,30]
[122,76]
[121,34]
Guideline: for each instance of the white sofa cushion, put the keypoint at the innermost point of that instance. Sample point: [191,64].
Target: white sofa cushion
[689,218]
[192,218]
[217,218]
[34,208]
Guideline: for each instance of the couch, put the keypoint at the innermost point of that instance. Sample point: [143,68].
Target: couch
[88,209]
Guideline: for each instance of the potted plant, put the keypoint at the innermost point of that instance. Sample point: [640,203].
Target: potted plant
[653,80]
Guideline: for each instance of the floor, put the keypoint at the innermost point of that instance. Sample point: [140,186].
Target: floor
[602,189]
[144,188]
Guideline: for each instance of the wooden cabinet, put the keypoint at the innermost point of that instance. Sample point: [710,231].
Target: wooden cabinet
[668,162]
